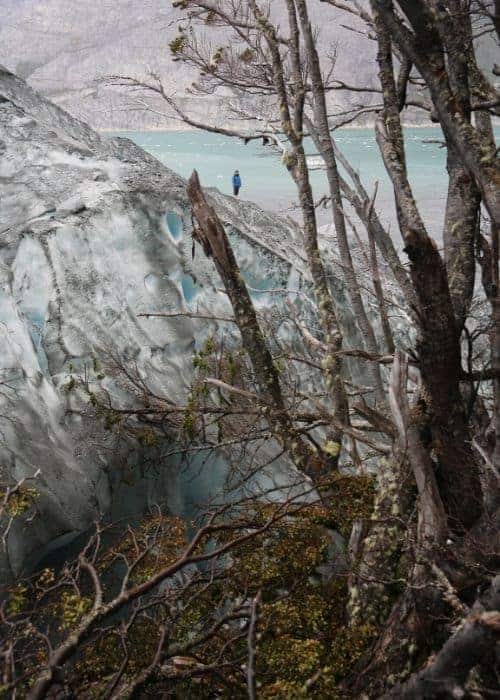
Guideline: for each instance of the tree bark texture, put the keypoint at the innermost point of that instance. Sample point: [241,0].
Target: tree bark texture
[212,237]
[438,343]
[297,165]
[323,141]
[447,673]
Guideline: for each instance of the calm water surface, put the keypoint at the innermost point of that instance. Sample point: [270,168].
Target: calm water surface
[267,182]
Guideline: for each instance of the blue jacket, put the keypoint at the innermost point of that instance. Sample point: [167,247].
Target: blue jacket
[236,180]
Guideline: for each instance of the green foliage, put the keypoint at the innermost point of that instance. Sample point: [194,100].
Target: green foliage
[289,658]
[188,419]
[248,55]
[177,45]
[201,359]
[70,385]
[204,362]
[233,367]
[73,607]
[294,550]
[111,418]
[350,498]
[102,659]
[348,646]
[20,501]
[305,648]
[303,619]
[218,56]
[148,437]
[209,347]
[17,599]
[200,363]
[212,360]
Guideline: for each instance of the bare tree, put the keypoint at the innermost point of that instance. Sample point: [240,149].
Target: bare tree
[435,435]
[421,591]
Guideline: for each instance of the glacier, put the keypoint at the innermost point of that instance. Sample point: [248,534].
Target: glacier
[94,232]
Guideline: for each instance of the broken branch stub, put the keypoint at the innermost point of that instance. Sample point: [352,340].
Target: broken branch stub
[211,235]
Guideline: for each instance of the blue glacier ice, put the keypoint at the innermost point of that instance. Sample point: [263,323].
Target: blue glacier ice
[94,233]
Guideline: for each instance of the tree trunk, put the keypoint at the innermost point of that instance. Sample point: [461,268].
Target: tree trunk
[320,133]
[297,165]
[424,48]
[459,235]
[446,674]
[438,343]
[212,237]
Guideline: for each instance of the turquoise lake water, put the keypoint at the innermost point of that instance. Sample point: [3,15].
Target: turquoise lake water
[267,182]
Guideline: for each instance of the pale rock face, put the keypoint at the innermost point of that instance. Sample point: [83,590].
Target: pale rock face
[94,232]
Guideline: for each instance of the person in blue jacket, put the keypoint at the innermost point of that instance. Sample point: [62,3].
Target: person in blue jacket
[236,183]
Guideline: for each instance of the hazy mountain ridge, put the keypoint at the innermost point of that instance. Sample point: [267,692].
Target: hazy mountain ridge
[61,48]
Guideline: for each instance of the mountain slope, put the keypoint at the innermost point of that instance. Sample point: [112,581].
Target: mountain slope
[61,48]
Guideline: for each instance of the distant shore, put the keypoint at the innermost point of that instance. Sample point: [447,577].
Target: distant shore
[186,128]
